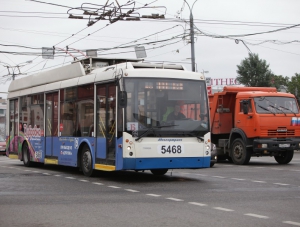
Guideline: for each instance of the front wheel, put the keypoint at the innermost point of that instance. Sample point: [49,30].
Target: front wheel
[158,172]
[26,155]
[87,162]
[285,157]
[239,153]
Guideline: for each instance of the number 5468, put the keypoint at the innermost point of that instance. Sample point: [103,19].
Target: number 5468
[171,149]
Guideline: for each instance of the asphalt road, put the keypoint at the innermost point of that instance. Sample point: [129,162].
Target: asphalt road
[262,193]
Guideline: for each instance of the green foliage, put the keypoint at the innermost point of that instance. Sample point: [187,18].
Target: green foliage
[254,72]
[276,81]
[294,85]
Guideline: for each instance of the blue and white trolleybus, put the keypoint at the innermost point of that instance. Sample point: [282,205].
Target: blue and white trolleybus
[110,114]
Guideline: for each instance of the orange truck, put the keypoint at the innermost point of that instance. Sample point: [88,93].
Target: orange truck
[254,121]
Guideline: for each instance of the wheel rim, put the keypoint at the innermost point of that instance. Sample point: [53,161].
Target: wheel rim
[238,151]
[86,161]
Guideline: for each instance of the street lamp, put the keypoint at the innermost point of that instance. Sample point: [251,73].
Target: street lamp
[192,34]
[204,72]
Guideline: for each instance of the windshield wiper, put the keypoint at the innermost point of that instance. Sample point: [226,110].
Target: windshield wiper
[288,109]
[278,109]
[152,129]
[264,108]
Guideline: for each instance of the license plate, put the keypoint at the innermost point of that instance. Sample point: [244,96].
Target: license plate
[284,145]
[170,149]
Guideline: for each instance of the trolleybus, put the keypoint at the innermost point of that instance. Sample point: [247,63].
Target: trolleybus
[110,114]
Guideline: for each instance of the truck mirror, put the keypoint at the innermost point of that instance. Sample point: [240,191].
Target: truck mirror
[245,106]
[122,95]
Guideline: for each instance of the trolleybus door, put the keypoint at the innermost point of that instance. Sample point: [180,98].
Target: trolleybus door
[13,126]
[51,129]
[106,124]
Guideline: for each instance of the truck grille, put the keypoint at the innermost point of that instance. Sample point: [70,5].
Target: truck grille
[275,133]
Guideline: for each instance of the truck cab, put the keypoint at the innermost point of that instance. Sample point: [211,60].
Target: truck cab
[254,121]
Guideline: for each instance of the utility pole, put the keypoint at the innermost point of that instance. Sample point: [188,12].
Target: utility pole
[192,35]
[11,69]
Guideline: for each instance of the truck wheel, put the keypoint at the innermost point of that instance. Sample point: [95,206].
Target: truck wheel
[284,158]
[87,162]
[158,172]
[26,155]
[239,154]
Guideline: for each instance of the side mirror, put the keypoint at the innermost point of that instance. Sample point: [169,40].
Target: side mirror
[122,96]
[245,106]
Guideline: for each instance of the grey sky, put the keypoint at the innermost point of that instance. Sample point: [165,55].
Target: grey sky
[219,56]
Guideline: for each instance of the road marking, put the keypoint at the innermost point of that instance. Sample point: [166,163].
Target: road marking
[84,180]
[259,167]
[174,199]
[218,177]
[256,216]
[291,223]
[113,186]
[57,175]
[36,171]
[197,204]
[223,209]
[237,179]
[199,174]
[281,184]
[72,178]
[258,181]
[97,183]
[131,190]
[154,195]
[48,174]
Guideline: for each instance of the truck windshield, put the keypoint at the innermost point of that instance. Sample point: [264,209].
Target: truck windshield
[166,107]
[276,104]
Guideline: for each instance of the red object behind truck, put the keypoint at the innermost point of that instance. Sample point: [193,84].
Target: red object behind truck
[254,121]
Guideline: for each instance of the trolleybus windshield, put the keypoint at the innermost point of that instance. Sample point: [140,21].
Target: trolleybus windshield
[152,103]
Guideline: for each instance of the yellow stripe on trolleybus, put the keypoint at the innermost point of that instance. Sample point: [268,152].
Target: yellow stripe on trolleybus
[13,156]
[105,167]
[51,161]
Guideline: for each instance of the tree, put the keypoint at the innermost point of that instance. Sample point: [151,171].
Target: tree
[294,85]
[254,72]
[278,80]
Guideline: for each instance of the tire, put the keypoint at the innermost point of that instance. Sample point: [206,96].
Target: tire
[158,172]
[26,155]
[87,162]
[212,164]
[239,154]
[284,158]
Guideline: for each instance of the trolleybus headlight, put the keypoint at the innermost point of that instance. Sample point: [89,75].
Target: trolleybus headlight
[129,148]
[207,147]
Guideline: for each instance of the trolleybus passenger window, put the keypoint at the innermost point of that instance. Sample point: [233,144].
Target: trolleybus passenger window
[68,111]
[85,112]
